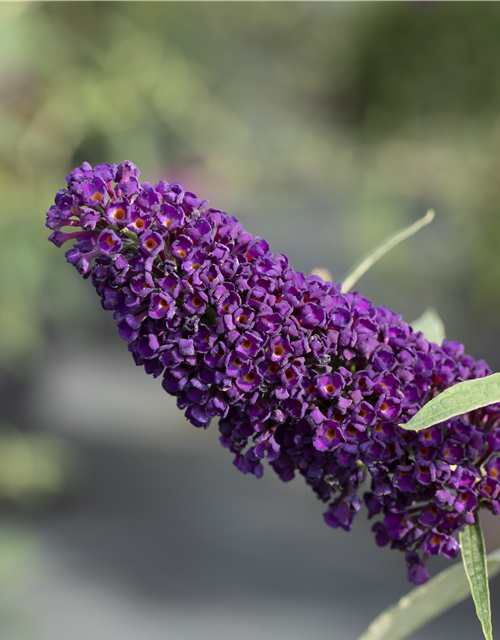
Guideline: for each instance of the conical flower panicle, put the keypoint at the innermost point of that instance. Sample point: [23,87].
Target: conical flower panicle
[297,372]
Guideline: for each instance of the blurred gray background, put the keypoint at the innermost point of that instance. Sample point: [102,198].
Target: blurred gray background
[324,127]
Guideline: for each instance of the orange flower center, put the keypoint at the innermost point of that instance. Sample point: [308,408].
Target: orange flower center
[97,196]
[197,301]
[273,368]
[278,350]
[139,223]
[250,377]
[246,344]
[330,388]
[330,434]
[151,244]
[289,374]
[119,215]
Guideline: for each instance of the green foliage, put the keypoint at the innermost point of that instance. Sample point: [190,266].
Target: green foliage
[431,325]
[302,115]
[461,398]
[435,47]
[35,469]
[20,556]
[392,241]
[474,557]
[426,602]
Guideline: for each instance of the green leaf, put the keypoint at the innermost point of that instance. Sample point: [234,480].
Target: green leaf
[431,325]
[367,261]
[474,557]
[461,398]
[426,602]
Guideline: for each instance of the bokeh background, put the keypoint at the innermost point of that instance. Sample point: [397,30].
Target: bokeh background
[323,127]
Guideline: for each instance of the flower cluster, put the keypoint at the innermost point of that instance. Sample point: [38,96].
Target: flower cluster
[312,379]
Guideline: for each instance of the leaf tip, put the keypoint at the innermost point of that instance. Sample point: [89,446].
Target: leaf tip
[430,215]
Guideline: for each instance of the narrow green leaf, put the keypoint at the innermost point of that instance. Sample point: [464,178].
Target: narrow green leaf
[474,557]
[426,602]
[431,325]
[461,398]
[367,261]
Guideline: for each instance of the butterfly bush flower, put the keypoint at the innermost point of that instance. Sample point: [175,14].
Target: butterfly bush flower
[314,380]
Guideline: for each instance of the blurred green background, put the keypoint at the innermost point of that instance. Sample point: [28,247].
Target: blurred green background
[324,127]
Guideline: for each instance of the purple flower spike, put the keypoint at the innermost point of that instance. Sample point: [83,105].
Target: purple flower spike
[161,306]
[330,386]
[310,379]
[151,242]
[248,345]
[417,572]
[248,381]
[196,303]
[170,217]
[329,436]
[93,192]
[312,315]
[60,237]
[139,221]
[117,213]
[108,242]
[125,170]
[181,247]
